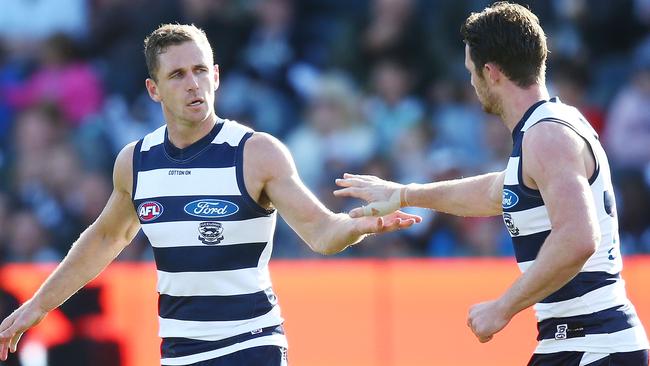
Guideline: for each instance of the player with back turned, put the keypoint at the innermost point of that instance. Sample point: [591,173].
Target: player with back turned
[205,192]
[555,196]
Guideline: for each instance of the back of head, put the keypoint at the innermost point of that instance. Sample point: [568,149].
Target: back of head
[170,35]
[510,36]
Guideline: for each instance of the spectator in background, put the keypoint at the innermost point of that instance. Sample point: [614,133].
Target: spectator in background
[63,79]
[261,89]
[570,79]
[391,108]
[29,241]
[333,138]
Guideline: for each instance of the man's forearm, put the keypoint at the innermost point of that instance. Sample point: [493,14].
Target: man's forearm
[473,196]
[336,234]
[89,255]
[556,264]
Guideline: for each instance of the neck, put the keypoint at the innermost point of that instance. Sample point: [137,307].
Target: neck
[518,101]
[183,135]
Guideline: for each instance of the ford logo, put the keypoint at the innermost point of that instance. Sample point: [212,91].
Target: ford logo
[510,199]
[211,208]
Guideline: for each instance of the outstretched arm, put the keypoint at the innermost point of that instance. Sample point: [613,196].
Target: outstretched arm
[473,196]
[270,167]
[97,246]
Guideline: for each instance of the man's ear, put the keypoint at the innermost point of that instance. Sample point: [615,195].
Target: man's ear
[492,73]
[152,89]
[216,77]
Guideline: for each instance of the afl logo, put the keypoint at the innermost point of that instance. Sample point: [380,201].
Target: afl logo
[211,208]
[149,211]
[510,199]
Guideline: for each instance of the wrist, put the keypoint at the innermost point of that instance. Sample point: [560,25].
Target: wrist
[404,194]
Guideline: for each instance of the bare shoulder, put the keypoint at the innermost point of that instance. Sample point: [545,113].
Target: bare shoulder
[267,155]
[123,170]
[552,150]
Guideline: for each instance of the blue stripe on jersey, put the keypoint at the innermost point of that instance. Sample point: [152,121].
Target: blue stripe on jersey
[602,322]
[157,158]
[244,211]
[525,202]
[526,247]
[179,347]
[208,258]
[137,156]
[214,308]
[581,284]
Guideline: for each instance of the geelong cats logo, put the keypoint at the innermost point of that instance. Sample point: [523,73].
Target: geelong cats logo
[507,219]
[210,232]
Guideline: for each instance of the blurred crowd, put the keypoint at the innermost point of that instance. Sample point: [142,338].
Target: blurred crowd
[366,86]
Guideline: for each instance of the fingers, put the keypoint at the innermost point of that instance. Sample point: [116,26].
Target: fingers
[13,344]
[406,216]
[352,192]
[356,212]
[484,339]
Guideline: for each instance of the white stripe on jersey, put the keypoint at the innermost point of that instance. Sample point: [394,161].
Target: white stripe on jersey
[231,135]
[155,138]
[216,330]
[628,340]
[199,180]
[273,339]
[184,233]
[590,357]
[599,299]
[511,177]
[214,283]
[536,220]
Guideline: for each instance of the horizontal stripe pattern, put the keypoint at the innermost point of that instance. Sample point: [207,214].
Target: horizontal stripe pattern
[181,347]
[200,180]
[610,320]
[185,233]
[216,308]
[527,247]
[208,257]
[220,283]
[581,284]
[177,208]
[158,158]
[627,340]
[599,299]
[216,330]
[531,221]
[273,340]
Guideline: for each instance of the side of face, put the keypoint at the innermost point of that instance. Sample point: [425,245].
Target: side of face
[185,83]
[485,95]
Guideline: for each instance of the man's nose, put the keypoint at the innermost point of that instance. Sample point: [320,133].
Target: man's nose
[192,82]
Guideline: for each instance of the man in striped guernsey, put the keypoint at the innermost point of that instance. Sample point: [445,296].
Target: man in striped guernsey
[555,196]
[205,192]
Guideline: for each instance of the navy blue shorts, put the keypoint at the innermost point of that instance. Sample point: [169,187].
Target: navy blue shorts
[636,358]
[255,356]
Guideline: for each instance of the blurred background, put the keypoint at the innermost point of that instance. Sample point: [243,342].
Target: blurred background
[365,86]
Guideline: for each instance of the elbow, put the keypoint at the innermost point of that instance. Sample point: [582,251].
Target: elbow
[586,246]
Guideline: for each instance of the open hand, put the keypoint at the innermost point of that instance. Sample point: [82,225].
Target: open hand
[383,197]
[13,327]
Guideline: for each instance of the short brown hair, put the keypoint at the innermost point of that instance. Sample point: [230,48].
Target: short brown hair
[510,36]
[170,35]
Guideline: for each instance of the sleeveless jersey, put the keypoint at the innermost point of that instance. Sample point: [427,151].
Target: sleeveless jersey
[591,313]
[211,242]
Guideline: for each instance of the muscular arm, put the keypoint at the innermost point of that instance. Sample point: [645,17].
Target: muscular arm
[270,170]
[558,162]
[474,196]
[97,246]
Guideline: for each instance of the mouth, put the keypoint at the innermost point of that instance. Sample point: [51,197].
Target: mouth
[195,102]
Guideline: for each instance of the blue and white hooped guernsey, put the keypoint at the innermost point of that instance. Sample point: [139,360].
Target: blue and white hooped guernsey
[212,243]
[591,313]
